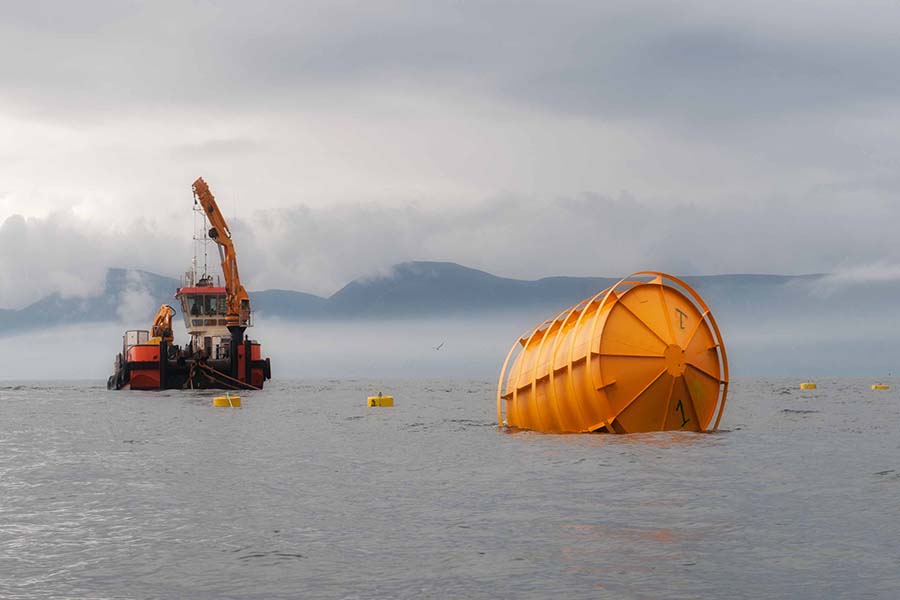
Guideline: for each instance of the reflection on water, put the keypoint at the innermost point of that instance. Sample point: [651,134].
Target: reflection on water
[306,492]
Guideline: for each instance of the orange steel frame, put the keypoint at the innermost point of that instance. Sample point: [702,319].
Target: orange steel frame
[593,381]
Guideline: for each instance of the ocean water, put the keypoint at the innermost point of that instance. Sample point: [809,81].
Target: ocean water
[307,493]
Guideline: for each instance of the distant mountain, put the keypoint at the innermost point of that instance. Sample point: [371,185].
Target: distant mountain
[107,305]
[420,289]
[288,304]
[436,288]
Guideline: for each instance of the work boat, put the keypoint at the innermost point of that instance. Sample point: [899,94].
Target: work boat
[218,354]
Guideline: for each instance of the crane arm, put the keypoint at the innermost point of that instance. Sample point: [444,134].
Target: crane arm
[237,300]
[162,324]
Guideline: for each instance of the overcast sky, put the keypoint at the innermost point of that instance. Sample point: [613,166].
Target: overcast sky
[524,138]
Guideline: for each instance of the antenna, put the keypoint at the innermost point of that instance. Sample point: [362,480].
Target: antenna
[201,243]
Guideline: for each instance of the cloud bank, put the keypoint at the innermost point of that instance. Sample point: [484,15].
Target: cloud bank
[320,249]
[524,138]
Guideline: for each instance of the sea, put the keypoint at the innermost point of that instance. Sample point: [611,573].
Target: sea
[305,492]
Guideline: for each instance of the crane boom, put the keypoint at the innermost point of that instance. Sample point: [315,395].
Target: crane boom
[237,300]
[161,329]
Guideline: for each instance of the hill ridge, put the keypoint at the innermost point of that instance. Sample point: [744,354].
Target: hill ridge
[410,289]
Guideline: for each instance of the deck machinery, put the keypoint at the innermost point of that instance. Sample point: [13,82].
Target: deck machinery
[218,355]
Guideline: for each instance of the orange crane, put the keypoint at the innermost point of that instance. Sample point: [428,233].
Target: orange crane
[162,325]
[237,300]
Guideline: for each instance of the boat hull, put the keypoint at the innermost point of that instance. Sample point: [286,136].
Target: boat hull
[163,367]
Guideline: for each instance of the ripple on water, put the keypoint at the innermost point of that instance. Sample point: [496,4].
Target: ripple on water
[306,493]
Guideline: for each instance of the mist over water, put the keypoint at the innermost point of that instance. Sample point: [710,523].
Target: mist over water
[799,344]
[457,347]
[364,348]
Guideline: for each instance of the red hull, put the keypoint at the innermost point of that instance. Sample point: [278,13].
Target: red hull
[145,369]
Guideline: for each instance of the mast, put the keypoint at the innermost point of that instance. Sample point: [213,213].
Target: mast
[237,300]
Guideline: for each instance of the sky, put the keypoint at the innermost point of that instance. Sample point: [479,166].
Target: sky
[527,139]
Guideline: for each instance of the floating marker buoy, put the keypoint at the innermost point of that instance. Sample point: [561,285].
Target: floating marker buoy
[808,385]
[643,355]
[380,400]
[227,401]
[881,386]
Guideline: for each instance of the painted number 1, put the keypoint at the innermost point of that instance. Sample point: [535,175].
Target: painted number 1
[681,316]
[680,407]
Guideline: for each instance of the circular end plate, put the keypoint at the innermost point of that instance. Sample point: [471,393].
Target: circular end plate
[661,359]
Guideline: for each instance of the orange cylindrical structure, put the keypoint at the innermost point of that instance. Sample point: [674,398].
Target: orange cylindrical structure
[643,355]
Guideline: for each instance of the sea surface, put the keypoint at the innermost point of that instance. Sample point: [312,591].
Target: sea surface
[307,493]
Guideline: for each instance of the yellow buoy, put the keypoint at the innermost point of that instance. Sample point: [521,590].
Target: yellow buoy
[227,401]
[643,355]
[881,386]
[380,400]
[808,385]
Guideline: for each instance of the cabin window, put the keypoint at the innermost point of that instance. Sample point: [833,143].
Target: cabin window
[194,305]
[213,305]
[208,305]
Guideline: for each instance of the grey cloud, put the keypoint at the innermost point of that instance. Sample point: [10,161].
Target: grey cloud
[647,59]
[136,301]
[716,72]
[45,254]
[219,148]
[320,249]
[63,254]
[755,137]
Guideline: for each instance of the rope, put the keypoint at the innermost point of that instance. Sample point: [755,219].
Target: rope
[218,374]
[217,377]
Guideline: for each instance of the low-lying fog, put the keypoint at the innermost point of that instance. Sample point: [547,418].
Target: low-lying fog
[802,346]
